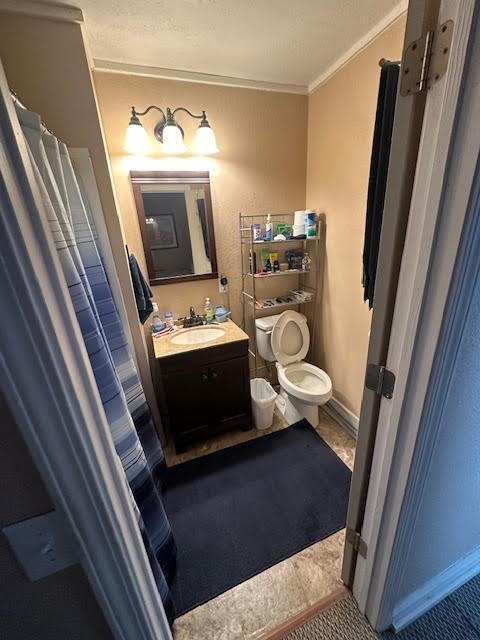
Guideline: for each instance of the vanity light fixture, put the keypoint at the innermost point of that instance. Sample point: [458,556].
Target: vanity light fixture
[169,133]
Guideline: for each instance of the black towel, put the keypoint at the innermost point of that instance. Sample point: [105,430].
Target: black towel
[377,184]
[202,213]
[142,290]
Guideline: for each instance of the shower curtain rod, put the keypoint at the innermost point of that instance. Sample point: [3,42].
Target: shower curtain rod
[17,100]
[21,104]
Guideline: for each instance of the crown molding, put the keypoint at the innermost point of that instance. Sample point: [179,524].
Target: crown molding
[48,10]
[67,13]
[109,66]
[395,14]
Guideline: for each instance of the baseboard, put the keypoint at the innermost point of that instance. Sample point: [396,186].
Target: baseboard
[435,590]
[342,415]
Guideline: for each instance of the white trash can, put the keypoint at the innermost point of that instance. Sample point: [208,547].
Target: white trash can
[263,402]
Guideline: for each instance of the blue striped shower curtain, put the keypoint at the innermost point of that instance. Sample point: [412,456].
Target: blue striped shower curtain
[126,409]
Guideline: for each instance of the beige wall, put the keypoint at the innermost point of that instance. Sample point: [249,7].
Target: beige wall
[341,117]
[46,64]
[261,165]
[59,606]
[274,155]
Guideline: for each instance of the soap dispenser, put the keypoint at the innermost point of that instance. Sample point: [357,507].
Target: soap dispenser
[209,310]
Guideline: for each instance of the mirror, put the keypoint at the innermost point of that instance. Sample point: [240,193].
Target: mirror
[175,214]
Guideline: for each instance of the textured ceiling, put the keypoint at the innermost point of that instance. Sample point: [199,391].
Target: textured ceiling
[285,41]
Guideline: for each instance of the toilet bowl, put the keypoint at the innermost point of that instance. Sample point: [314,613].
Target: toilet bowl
[285,338]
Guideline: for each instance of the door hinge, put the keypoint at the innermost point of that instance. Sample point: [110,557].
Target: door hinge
[425,60]
[358,543]
[380,379]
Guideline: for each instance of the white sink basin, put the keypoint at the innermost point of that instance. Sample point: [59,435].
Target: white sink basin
[197,335]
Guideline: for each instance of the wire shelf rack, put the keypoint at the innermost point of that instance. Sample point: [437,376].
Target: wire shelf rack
[254,291]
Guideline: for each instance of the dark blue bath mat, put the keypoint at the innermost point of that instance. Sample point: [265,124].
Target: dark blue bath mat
[238,511]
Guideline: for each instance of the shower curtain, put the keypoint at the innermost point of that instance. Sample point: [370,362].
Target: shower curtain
[121,393]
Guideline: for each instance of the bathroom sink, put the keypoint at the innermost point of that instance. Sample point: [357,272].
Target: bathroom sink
[197,335]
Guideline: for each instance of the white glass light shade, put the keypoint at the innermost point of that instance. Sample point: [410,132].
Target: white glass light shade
[172,139]
[205,143]
[136,140]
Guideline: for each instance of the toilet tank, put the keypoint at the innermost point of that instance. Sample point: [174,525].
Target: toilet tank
[263,330]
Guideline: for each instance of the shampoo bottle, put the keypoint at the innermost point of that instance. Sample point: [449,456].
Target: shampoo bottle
[269,229]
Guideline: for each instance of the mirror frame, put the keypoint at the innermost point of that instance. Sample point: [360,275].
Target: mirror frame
[138,178]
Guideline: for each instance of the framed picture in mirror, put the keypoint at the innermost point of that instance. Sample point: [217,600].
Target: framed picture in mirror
[174,211]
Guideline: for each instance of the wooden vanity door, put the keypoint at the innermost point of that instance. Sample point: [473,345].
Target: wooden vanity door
[229,391]
[189,400]
[206,392]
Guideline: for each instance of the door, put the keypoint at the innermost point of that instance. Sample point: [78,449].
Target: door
[168,233]
[230,390]
[445,169]
[188,399]
[403,154]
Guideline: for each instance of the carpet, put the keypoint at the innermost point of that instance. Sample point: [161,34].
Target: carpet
[341,621]
[239,511]
[457,617]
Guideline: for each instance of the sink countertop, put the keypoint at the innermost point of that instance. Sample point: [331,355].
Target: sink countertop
[163,347]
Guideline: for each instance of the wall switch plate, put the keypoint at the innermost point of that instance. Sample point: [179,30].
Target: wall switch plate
[42,545]
[223,284]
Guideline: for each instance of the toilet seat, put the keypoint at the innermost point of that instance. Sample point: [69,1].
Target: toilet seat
[305,382]
[290,338]
[290,341]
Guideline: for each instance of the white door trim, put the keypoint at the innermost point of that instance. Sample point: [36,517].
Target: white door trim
[49,386]
[400,417]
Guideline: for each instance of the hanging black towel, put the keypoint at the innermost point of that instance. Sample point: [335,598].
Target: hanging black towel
[202,213]
[142,290]
[377,184]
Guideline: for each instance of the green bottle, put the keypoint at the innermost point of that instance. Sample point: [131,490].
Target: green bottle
[209,310]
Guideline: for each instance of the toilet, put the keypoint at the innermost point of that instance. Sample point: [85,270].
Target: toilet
[285,339]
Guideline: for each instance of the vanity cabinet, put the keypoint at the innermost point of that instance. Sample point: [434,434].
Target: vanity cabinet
[205,392]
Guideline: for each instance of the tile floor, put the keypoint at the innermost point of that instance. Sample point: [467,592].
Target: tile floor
[252,608]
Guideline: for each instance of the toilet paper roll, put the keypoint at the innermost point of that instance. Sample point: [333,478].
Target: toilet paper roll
[299,218]
[298,229]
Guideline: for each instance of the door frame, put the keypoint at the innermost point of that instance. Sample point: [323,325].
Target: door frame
[48,384]
[443,183]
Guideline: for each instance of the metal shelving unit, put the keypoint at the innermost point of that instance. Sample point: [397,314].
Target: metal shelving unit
[307,281]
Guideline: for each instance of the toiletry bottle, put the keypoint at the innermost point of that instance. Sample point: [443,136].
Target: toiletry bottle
[269,229]
[169,321]
[256,231]
[273,257]
[208,310]
[156,321]
[252,260]
[306,261]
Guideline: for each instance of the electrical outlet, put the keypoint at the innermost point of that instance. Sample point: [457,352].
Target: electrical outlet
[223,284]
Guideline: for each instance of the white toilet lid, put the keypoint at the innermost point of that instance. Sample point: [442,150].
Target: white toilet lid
[290,338]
